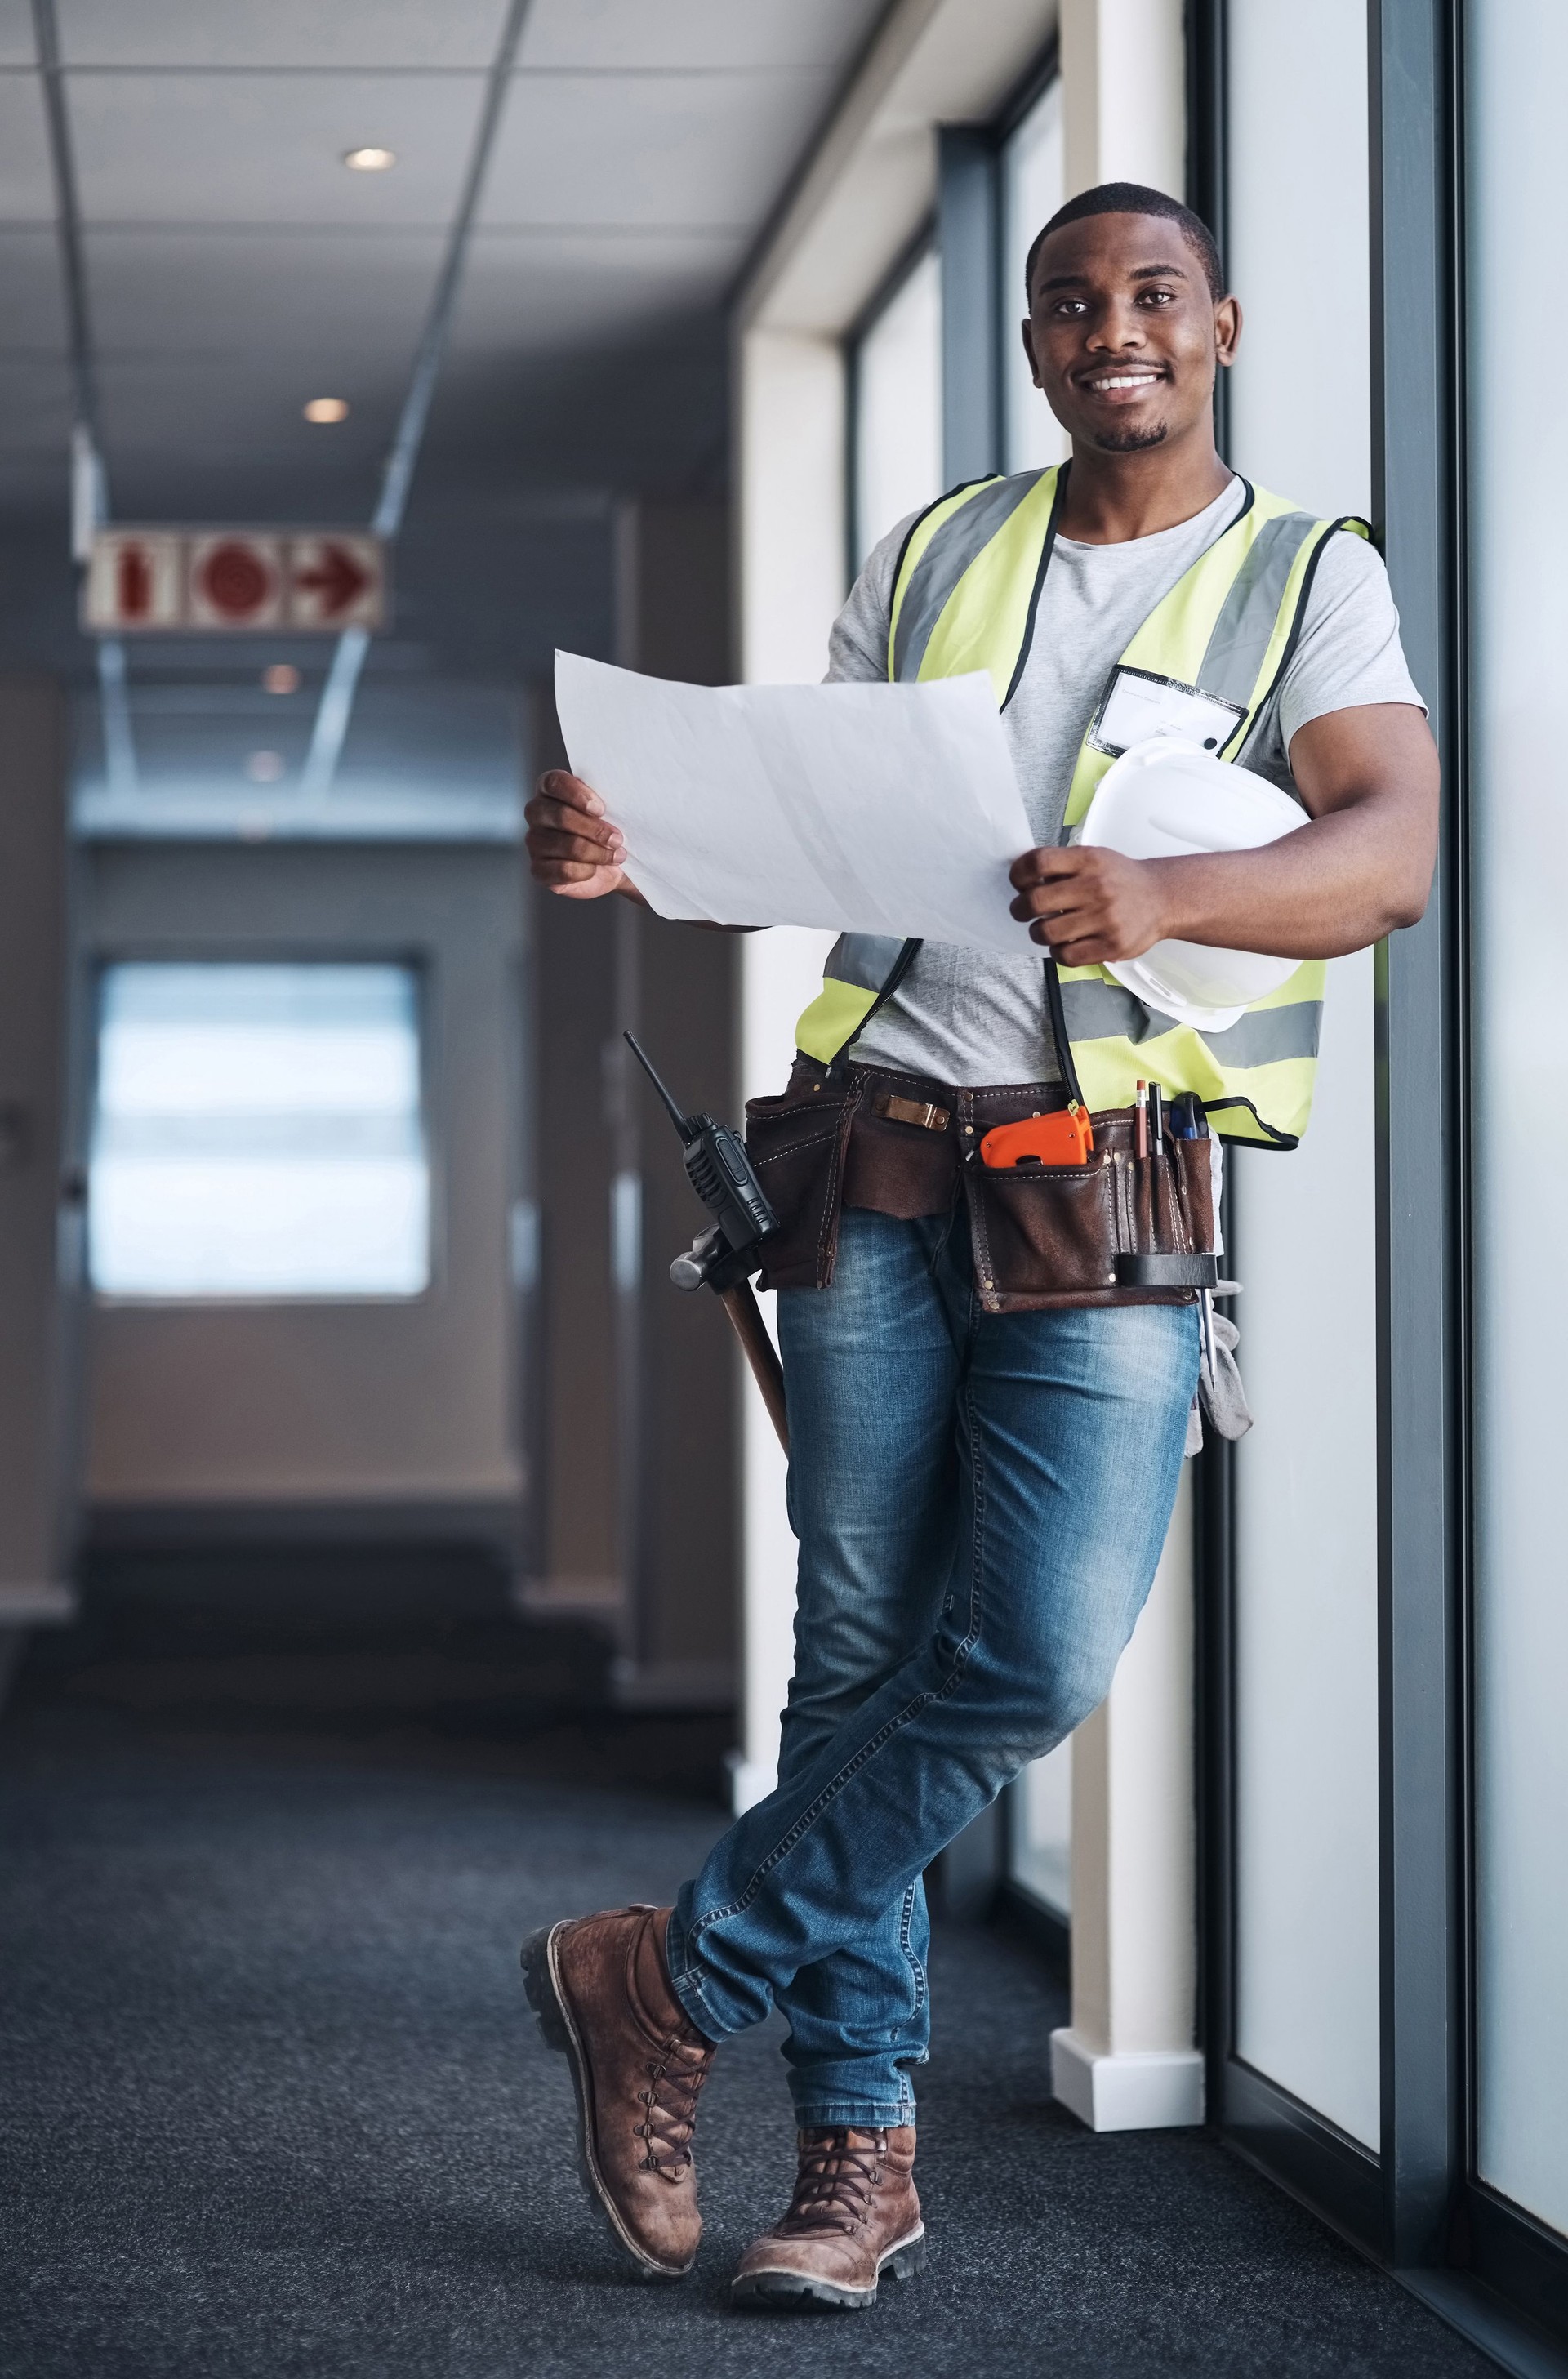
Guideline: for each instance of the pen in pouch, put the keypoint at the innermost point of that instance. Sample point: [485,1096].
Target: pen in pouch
[1140,1122]
[1156,1126]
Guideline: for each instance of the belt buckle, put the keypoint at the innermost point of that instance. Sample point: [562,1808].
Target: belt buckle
[923,1114]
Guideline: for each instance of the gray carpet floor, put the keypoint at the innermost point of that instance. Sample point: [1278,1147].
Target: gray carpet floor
[273,2106]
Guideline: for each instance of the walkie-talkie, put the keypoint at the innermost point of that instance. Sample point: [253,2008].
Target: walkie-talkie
[724,1257]
[720,1172]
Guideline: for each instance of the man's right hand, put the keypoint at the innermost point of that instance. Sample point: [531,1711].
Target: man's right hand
[572,845]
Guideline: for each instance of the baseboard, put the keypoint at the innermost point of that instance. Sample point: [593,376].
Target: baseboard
[568,1595]
[1152,2090]
[1489,2323]
[43,1602]
[673,1684]
[433,1520]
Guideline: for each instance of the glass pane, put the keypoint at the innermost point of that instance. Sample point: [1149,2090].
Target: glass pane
[899,407]
[1516,73]
[1040,1835]
[258,1133]
[1307,1957]
[1031,191]
[1307,1947]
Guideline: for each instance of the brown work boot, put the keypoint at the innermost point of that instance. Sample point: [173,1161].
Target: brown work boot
[601,1991]
[854,2216]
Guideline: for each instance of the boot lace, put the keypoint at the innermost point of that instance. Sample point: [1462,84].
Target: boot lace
[840,2172]
[675,2079]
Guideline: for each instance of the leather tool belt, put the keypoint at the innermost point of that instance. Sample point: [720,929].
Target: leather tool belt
[1117,1230]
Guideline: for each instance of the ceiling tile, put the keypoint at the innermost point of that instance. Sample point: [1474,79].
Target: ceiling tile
[699,33]
[150,482]
[269,147]
[204,412]
[19,44]
[527,293]
[27,187]
[35,410]
[341,306]
[280,33]
[33,316]
[648,150]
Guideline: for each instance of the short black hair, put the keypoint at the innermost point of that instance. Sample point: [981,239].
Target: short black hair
[1135,199]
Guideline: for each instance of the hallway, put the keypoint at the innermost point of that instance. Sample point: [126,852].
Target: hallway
[272,2105]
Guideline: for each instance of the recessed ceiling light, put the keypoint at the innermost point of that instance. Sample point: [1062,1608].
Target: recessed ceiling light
[327,408]
[264,767]
[282,678]
[369,160]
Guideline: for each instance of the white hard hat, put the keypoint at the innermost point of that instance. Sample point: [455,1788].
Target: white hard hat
[1164,798]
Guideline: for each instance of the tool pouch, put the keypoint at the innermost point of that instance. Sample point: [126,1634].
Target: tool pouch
[1113,1231]
[796,1143]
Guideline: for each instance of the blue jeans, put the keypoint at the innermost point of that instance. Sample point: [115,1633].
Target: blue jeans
[980,1501]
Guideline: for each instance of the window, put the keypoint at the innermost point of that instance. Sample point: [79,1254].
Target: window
[898,405]
[1039,1846]
[1516,60]
[1308,1963]
[258,1133]
[1031,191]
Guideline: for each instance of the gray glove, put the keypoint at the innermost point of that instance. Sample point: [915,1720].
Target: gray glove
[1219,1393]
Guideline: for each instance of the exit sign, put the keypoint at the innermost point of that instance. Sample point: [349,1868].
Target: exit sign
[234,581]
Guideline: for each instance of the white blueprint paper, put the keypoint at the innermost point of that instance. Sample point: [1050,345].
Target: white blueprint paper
[868,809]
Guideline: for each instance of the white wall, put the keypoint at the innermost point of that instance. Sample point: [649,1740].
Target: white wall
[1305,1613]
[386,1405]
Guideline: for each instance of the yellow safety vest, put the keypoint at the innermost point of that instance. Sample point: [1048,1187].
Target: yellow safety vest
[964,597]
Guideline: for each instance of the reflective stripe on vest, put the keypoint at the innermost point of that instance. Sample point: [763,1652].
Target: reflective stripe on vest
[965,596]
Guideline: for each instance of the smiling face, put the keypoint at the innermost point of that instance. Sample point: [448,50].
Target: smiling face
[1123,333]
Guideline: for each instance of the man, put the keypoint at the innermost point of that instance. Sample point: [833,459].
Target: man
[981,1485]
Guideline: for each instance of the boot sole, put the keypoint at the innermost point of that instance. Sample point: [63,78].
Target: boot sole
[798,2292]
[552,2013]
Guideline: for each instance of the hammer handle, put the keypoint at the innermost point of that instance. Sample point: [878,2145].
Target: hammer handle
[740,1303]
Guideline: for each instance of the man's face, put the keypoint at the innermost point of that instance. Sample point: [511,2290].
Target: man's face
[1123,334]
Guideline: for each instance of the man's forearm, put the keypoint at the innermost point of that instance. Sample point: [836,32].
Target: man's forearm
[1337,885]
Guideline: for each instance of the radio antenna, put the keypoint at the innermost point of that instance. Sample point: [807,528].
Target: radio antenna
[682,1123]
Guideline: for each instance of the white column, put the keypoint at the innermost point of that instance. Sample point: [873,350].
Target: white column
[1124,77]
[791,579]
[1128,2060]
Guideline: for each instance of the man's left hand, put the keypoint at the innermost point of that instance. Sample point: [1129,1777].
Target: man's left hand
[1089,905]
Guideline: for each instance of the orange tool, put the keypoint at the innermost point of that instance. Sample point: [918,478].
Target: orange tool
[1064,1137]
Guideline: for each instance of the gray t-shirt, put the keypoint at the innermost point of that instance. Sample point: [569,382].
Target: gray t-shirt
[966,1017]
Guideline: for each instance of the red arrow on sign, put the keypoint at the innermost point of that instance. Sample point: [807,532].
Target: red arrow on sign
[337,578]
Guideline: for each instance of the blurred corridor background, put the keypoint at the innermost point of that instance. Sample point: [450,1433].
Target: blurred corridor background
[389,1559]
